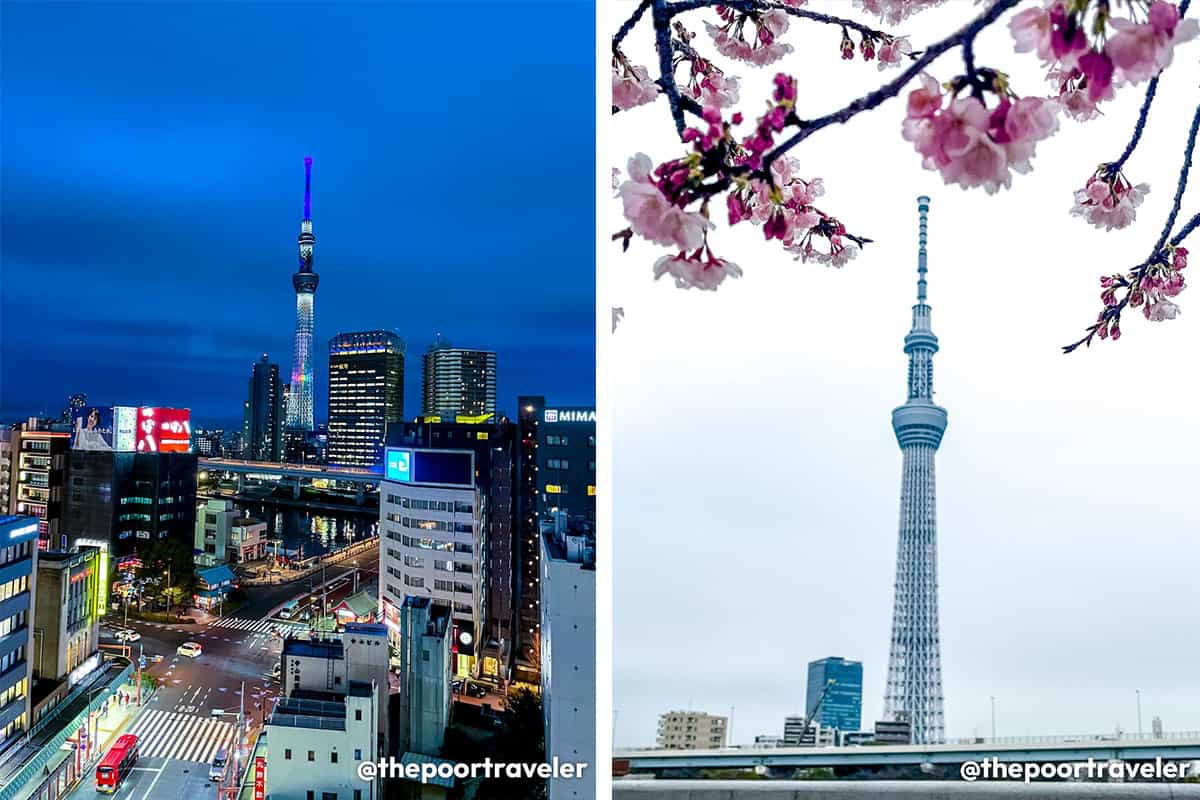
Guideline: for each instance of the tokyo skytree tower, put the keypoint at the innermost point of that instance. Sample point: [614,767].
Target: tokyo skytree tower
[300,394]
[914,677]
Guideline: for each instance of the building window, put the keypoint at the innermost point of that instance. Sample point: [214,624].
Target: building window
[358,715]
[287,754]
[310,794]
[312,755]
[358,794]
[333,757]
[358,755]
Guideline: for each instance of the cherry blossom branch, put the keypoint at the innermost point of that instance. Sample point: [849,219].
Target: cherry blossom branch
[1183,180]
[666,61]
[1160,260]
[629,24]
[750,6]
[892,88]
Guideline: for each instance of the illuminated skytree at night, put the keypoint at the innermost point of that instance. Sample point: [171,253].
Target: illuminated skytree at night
[300,395]
[914,677]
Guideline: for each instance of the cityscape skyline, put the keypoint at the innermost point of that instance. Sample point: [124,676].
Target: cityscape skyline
[196,169]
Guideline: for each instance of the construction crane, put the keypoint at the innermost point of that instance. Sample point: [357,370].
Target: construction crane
[811,716]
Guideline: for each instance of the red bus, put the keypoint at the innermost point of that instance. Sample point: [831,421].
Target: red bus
[117,763]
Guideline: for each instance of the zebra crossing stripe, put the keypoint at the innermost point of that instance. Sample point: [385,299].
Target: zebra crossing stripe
[183,737]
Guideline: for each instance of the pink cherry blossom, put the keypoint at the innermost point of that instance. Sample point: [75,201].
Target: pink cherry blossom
[893,52]
[697,271]
[895,11]
[972,146]
[717,90]
[1075,94]
[1139,51]
[653,216]
[1031,31]
[631,86]
[1160,310]
[1109,202]
[763,47]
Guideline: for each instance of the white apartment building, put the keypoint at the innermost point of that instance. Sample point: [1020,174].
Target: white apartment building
[568,668]
[431,543]
[316,740]
[425,696]
[691,730]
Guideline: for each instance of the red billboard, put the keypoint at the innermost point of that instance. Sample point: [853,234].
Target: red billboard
[260,777]
[164,430]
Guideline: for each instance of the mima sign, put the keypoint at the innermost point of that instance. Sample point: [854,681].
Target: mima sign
[570,415]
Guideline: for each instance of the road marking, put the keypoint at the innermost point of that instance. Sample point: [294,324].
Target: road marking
[181,737]
[150,789]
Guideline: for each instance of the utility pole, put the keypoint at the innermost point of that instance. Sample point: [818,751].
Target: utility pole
[1139,707]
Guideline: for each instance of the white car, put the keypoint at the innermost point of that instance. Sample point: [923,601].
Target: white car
[128,636]
[189,649]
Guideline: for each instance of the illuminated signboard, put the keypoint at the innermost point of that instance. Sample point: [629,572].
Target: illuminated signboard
[260,777]
[391,615]
[92,429]
[164,430]
[451,468]
[125,428]
[399,465]
[553,415]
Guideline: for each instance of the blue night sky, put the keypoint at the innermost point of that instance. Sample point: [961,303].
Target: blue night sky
[153,184]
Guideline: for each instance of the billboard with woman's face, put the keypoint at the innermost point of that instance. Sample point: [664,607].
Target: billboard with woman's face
[92,429]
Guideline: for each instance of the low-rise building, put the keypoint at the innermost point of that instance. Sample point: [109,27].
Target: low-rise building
[66,627]
[316,740]
[214,527]
[691,730]
[360,607]
[247,540]
[215,584]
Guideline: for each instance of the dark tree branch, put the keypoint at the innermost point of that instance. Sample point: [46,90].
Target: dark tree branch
[666,61]
[627,26]
[1183,179]
[1116,166]
[754,6]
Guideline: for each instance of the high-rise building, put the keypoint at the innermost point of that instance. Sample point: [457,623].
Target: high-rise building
[37,477]
[300,397]
[568,669]
[914,677]
[122,498]
[6,462]
[691,730]
[556,471]
[835,683]
[432,524]
[207,443]
[366,392]
[262,413]
[18,558]
[458,382]
[493,444]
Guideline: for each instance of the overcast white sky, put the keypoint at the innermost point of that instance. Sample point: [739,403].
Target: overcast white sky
[757,478]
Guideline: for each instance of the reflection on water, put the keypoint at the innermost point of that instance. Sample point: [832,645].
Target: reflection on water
[314,532]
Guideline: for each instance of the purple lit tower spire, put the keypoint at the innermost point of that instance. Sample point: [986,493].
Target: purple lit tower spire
[300,394]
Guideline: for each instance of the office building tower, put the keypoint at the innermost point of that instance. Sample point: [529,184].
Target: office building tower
[691,730]
[304,281]
[458,382]
[69,600]
[556,471]
[207,443]
[18,571]
[37,477]
[432,524]
[366,393]
[914,676]
[835,693]
[132,479]
[568,653]
[493,444]
[262,413]
[425,669]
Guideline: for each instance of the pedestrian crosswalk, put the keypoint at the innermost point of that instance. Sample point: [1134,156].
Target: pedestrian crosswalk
[253,625]
[184,737]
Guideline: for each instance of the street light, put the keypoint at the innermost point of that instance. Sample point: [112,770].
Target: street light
[1139,709]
